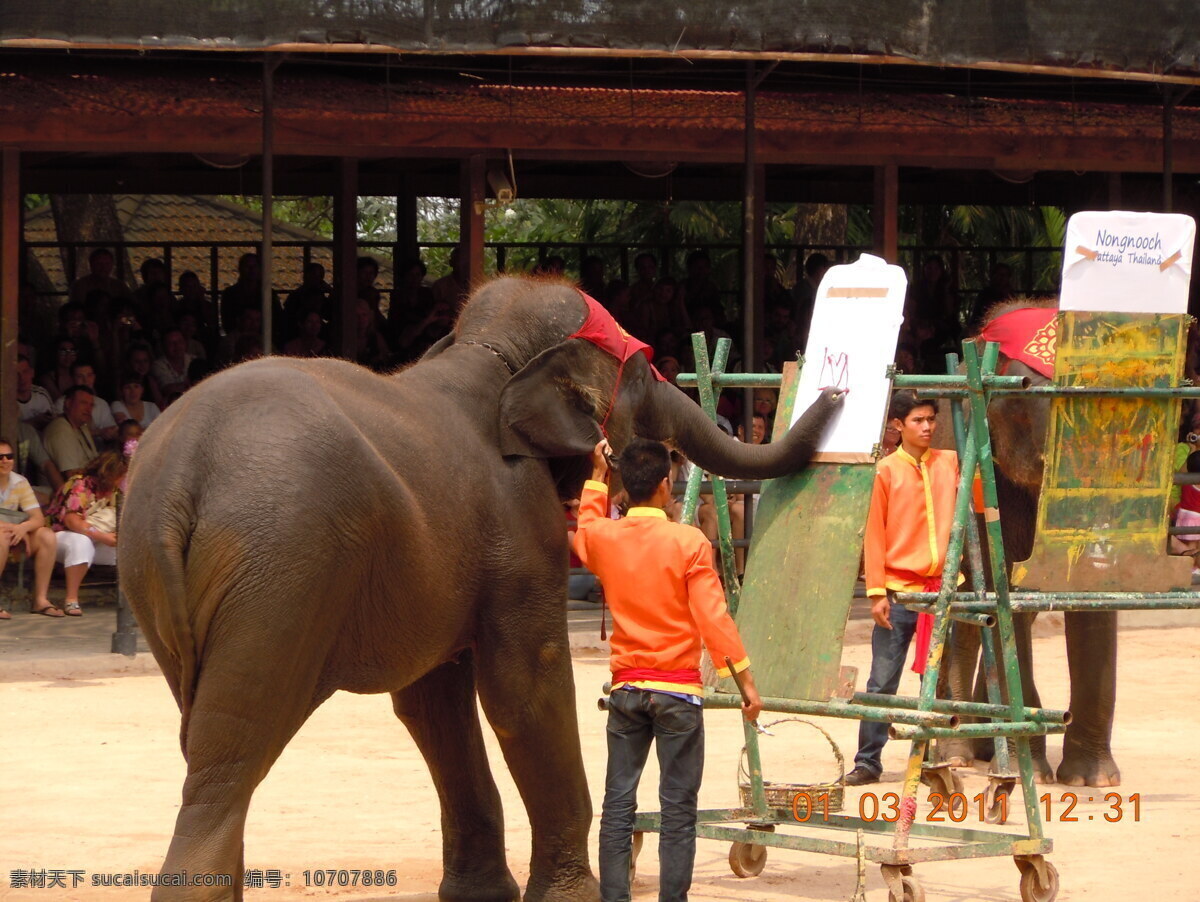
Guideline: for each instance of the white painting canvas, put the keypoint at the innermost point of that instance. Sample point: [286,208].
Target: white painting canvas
[851,343]
[1121,262]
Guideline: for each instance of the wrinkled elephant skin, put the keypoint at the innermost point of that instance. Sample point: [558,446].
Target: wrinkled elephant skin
[296,527]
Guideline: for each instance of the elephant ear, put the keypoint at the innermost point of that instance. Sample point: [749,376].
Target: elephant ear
[552,406]
[438,346]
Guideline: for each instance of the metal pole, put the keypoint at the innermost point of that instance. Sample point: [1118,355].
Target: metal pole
[10,286]
[267,255]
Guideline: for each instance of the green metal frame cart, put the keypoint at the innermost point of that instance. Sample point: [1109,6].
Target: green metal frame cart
[792,610]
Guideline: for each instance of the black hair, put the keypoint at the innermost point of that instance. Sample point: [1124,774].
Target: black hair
[643,465]
[68,308]
[698,255]
[367,261]
[1193,462]
[70,393]
[905,402]
[151,263]
[100,252]
[644,255]
[815,263]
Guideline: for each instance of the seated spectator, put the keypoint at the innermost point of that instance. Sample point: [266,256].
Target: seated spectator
[784,334]
[162,311]
[245,292]
[104,427]
[370,348]
[419,337]
[249,324]
[171,369]
[101,264]
[311,296]
[68,438]
[759,430]
[698,288]
[641,292]
[138,359]
[133,405]
[451,289]
[83,516]
[616,299]
[804,294]
[411,300]
[591,276]
[154,274]
[190,329]
[247,347]
[309,342]
[668,367]
[57,377]
[31,534]
[195,302]
[199,370]
[366,273]
[129,432]
[35,464]
[37,409]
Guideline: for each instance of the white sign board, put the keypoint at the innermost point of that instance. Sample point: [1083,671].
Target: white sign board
[851,343]
[1119,262]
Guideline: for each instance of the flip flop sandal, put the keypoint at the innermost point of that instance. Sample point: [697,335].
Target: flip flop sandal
[48,611]
[73,610]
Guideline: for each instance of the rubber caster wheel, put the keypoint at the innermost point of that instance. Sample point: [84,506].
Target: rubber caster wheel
[747,859]
[911,888]
[946,782]
[1033,891]
[635,850]
[995,801]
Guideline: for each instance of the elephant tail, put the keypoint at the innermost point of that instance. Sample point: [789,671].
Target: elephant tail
[175,534]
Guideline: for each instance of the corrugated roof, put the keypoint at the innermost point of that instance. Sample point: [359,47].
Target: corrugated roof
[200,221]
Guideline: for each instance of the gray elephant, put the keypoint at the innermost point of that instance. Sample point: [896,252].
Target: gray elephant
[296,527]
[1018,427]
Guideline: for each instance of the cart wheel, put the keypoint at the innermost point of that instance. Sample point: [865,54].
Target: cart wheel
[1033,891]
[638,838]
[912,889]
[949,785]
[747,859]
[996,799]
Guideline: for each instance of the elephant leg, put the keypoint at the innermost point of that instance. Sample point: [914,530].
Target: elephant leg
[523,674]
[959,674]
[247,706]
[1023,628]
[1092,661]
[439,711]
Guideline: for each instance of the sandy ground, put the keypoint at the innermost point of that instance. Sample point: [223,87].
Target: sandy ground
[92,774]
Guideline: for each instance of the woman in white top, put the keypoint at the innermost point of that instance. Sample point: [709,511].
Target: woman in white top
[131,406]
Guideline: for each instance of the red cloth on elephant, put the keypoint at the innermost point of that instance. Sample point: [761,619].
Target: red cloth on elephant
[606,333]
[1028,334]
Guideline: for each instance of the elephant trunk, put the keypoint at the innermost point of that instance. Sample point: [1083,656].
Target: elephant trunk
[674,417]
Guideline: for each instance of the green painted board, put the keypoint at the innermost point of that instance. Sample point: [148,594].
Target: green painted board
[800,573]
[1102,514]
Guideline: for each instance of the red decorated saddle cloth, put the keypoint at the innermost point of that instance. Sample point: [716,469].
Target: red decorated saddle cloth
[1027,334]
[602,330]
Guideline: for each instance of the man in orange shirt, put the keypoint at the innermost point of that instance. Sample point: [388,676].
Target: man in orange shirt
[908,529]
[665,597]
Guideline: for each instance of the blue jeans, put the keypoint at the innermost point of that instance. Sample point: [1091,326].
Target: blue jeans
[635,717]
[889,649]
[579,585]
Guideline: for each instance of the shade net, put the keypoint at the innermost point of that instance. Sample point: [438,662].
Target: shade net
[1147,36]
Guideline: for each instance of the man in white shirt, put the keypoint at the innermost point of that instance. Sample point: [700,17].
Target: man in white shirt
[104,425]
[37,408]
[32,533]
[68,438]
[171,369]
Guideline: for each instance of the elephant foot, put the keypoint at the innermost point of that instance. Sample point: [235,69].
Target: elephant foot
[1088,770]
[480,886]
[573,886]
[955,752]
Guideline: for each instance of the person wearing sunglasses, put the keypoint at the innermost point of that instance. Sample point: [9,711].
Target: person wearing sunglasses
[22,526]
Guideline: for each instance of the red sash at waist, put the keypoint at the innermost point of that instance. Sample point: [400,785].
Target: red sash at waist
[689,677]
[925,628]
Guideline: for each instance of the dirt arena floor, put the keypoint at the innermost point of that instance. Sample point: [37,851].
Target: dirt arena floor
[92,773]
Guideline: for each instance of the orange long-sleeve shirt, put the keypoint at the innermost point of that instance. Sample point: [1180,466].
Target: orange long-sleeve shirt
[664,592]
[908,527]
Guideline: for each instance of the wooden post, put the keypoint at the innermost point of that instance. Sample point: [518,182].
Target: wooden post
[885,213]
[470,217]
[10,287]
[345,253]
[267,253]
[406,225]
